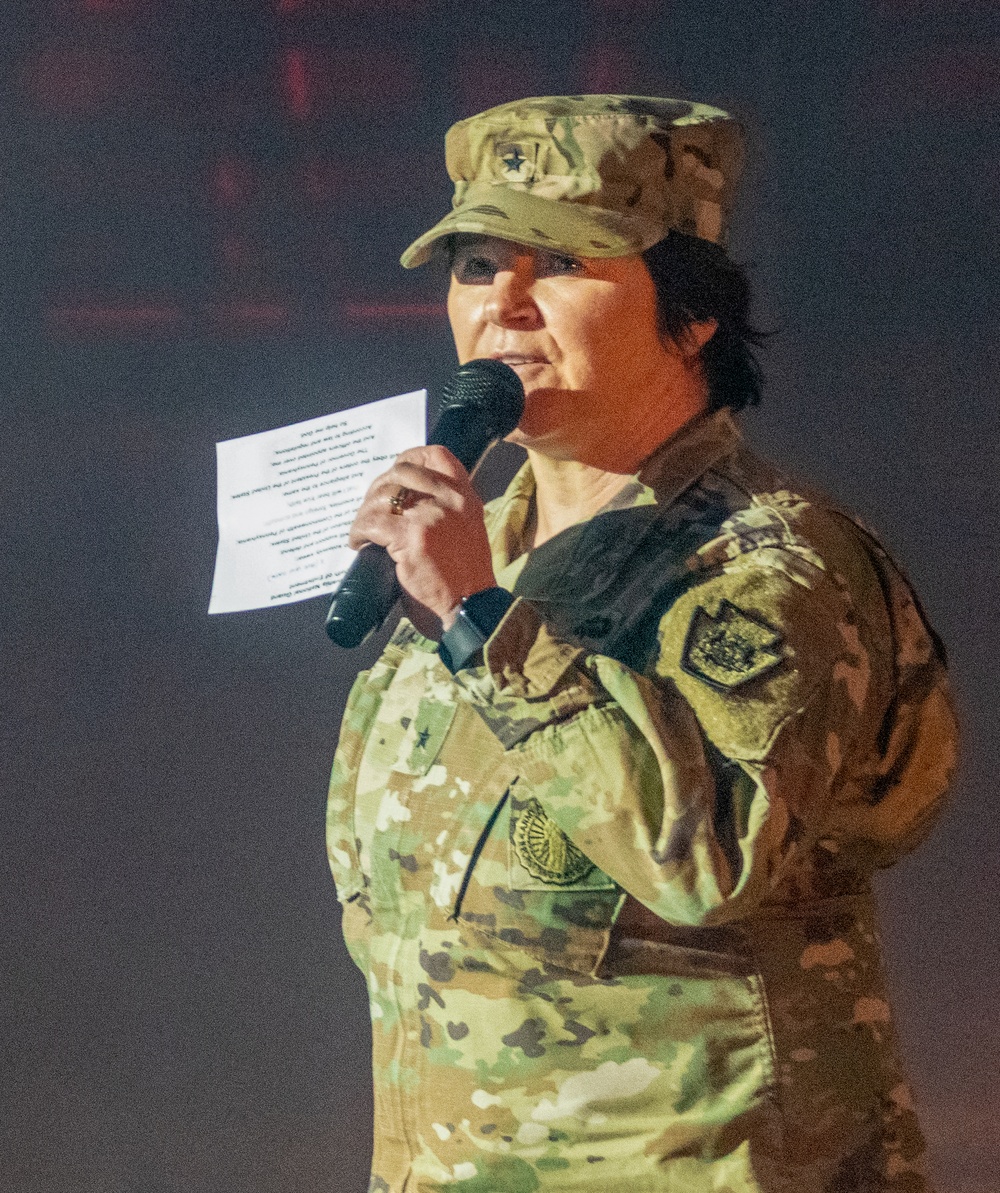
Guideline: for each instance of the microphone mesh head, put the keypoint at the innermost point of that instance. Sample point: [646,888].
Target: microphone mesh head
[491,388]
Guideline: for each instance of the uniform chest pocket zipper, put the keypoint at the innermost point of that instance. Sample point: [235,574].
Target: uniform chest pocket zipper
[480,845]
[561,915]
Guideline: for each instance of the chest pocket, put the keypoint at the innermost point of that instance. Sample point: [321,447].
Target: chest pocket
[400,741]
[527,887]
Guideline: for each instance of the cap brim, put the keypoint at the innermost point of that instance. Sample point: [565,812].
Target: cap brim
[577,228]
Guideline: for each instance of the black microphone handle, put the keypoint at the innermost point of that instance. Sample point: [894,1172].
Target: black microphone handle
[465,433]
[482,403]
[364,598]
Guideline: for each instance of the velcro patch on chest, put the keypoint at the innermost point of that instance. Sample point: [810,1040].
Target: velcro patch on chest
[430,727]
[544,850]
[731,648]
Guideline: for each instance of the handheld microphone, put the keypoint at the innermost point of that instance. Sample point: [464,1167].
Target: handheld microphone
[481,403]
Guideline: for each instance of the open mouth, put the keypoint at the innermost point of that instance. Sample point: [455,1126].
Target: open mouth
[520,358]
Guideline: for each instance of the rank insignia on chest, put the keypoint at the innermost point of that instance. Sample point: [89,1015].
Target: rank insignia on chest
[730,648]
[544,850]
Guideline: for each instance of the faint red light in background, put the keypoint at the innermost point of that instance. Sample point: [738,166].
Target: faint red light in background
[607,69]
[96,318]
[298,84]
[81,82]
[151,317]
[232,183]
[315,81]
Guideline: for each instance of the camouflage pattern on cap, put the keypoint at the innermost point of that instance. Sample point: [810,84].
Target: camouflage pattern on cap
[591,175]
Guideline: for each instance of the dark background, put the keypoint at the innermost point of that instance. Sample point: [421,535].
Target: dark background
[204,205]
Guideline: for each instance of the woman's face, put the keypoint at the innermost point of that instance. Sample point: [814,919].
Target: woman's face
[581,333]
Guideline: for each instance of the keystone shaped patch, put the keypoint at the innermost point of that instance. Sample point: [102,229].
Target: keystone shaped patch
[730,648]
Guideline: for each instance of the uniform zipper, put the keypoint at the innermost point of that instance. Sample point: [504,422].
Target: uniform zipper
[480,846]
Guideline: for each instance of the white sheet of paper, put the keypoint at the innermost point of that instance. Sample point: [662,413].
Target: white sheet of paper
[287,497]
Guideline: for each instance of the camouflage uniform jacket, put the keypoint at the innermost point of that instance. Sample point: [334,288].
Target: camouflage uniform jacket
[610,890]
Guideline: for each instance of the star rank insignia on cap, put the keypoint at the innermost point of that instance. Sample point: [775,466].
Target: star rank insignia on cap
[544,850]
[730,648]
[515,167]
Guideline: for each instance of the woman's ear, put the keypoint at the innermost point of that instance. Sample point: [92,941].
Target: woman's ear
[695,336]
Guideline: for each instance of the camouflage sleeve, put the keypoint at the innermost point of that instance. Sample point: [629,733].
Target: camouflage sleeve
[762,668]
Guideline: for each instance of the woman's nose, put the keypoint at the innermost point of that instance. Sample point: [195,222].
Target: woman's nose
[510,302]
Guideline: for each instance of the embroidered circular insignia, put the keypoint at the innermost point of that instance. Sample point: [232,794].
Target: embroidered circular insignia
[544,850]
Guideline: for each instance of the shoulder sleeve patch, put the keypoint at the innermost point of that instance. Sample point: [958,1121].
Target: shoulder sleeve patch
[752,648]
[731,648]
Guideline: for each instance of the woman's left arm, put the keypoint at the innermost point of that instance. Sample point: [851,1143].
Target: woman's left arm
[765,664]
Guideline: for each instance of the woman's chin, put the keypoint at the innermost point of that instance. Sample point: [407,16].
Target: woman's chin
[548,414]
[546,440]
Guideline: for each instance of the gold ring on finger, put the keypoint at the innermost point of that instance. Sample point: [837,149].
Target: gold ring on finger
[397,501]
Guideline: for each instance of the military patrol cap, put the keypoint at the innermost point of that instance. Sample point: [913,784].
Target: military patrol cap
[591,175]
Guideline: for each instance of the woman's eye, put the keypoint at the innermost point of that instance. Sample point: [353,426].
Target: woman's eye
[474,269]
[560,263]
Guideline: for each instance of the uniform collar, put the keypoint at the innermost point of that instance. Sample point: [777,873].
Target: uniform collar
[688,454]
[671,469]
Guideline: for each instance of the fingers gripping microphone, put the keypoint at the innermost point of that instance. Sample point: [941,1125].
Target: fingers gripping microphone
[481,403]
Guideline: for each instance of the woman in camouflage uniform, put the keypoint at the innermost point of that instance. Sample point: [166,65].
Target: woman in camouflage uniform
[604,814]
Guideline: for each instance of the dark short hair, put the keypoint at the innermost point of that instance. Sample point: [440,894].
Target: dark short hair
[697,280]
